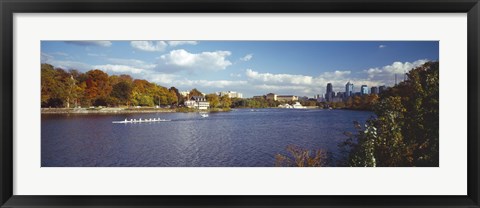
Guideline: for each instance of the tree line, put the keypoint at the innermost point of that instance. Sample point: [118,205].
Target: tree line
[355,102]
[60,88]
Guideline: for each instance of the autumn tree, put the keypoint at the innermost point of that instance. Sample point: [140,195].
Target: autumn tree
[61,89]
[300,157]
[98,87]
[58,87]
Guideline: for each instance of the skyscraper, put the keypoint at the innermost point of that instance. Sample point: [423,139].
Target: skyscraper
[374,90]
[381,88]
[329,95]
[364,90]
[348,89]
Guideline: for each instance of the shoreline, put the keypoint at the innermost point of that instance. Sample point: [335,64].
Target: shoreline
[120,110]
[146,110]
[102,111]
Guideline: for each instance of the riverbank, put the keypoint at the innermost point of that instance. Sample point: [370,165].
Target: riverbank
[120,110]
[140,110]
[104,110]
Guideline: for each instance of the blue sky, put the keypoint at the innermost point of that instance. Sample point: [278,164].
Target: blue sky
[301,68]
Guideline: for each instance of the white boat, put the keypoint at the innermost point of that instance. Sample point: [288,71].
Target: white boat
[286,105]
[204,115]
[150,120]
[297,105]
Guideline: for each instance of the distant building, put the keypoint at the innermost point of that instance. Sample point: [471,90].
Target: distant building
[348,89]
[259,97]
[381,89]
[190,103]
[336,99]
[282,98]
[271,96]
[374,90]
[304,98]
[320,99]
[364,90]
[197,102]
[230,94]
[341,95]
[330,93]
[184,93]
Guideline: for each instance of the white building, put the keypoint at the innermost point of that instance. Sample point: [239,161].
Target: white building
[230,94]
[190,103]
[197,102]
[184,93]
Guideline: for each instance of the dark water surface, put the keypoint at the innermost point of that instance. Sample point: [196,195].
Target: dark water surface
[240,138]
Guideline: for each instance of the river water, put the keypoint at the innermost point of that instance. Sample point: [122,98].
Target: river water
[240,138]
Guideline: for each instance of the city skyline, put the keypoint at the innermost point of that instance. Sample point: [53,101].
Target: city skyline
[301,68]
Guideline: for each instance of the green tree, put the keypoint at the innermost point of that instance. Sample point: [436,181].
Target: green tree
[122,92]
[172,98]
[213,99]
[179,97]
[405,131]
[225,101]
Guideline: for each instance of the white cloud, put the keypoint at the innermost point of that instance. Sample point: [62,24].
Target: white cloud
[119,69]
[335,74]
[304,85]
[91,43]
[149,45]
[177,43]
[211,83]
[295,79]
[279,78]
[181,59]
[45,57]
[388,72]
[247,57]
[70,65]
[132,62]
[162,79]
[280,87]
[382,46]
[67,65]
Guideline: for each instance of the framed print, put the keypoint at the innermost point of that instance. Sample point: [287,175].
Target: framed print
[239,104]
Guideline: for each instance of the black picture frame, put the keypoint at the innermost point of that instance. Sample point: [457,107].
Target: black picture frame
[10,7]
